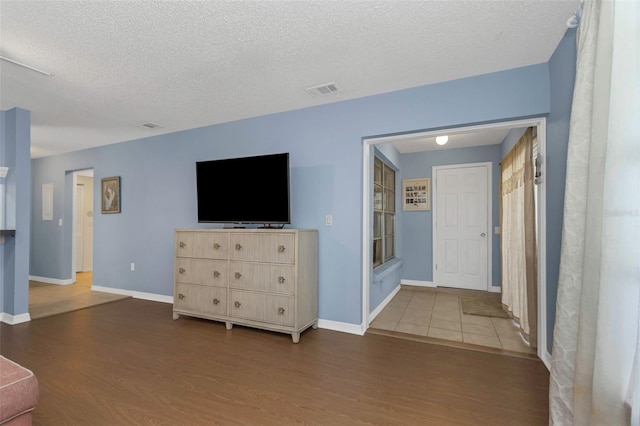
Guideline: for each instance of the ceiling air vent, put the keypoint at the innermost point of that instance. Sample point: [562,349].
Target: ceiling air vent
[324,90]
[150,125]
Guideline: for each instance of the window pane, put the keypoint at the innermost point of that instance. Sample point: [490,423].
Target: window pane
[377,225]
[377,252]
[388,224]
[389,201]
[388,247]
[389,178]
[377,197]
[377,171]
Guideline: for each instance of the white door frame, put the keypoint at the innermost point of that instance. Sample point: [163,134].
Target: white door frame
[541,124]
[434,189]
[83,172]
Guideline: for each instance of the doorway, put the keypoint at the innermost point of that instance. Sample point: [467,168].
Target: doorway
[82,245]
[367,271]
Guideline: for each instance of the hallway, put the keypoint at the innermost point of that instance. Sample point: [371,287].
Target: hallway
[435,315]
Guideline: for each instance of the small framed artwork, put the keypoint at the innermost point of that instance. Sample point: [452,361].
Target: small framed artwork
[416,194]
[110,192]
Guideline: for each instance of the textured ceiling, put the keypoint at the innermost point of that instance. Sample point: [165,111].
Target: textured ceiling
[186,64]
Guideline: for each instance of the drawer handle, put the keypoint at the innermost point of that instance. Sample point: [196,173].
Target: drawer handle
[216,246]
[216,274]
[238,247]
[237,304]
[183,244]
[180,296]
[238,275]
[281,249]
[280,279]
[216,301]
[280,311]
[182,270]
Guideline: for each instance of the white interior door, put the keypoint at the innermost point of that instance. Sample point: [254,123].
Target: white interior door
[461,243]
[78,228]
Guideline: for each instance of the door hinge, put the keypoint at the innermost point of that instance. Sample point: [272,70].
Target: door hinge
[436,266]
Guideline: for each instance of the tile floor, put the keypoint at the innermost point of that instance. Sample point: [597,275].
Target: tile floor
[437,313]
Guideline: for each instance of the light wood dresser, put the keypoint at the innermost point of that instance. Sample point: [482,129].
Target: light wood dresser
[261,278]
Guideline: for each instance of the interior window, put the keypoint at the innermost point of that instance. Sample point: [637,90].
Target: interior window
[384,207]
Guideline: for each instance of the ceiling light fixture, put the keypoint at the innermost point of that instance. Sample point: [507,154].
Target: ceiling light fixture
[48,74]
[441,140]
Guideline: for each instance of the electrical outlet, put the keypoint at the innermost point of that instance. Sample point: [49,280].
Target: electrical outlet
[496,230]
[328,220]
[59,222]
[133,266]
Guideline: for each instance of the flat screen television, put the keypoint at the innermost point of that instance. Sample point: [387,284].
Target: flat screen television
[246,190]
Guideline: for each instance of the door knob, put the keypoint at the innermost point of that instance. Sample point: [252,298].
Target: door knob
[483,235]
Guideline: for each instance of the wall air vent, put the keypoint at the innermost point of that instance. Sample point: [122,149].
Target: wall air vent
[150,125]
[324,90]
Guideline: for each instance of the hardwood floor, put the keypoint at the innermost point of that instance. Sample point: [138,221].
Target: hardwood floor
[129,363]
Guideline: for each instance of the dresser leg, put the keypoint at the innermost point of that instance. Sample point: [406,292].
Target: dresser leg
[228,325]
[315,325]
[175,316]
[295,337]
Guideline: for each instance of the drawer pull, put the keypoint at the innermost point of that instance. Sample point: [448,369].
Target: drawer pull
[238,247]
[280,279]
[216,274]
[238,275]
[216,301]
[216,246]
[237,304]
[182,270]
[281,249]
[183,244]
[180,296]
[281,311]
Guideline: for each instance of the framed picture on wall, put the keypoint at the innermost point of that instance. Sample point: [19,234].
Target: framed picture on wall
[110,194]
[416,194]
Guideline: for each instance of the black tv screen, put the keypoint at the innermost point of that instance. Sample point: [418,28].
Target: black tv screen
[244,190]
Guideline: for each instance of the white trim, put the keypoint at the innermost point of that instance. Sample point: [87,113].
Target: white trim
[545,356]
[51,280]
[434,188]
[417,283]
[541,245]
[541,124]
[74,201]
[135,294]
[494,289]
[14,319]
[366,231]
[383,304]
[343,327]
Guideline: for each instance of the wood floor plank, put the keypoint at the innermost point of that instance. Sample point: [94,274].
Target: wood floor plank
[129,363]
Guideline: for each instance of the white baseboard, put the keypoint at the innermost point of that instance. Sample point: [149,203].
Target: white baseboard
[14,319]
[343,327]
[384,303]
[418,283]
[493,289]
[50,280]
[135,294]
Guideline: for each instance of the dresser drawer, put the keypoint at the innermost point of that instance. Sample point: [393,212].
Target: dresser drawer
[198,298]
[209,245]
[270,308]
[268,277]
[201,271]
[273,248]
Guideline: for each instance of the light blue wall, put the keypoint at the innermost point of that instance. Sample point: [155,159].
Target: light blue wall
[562,71]
[325,143]
[16,144]
[510,140]
[417,230]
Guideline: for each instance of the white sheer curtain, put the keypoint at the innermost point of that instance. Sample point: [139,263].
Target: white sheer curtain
[595,359]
